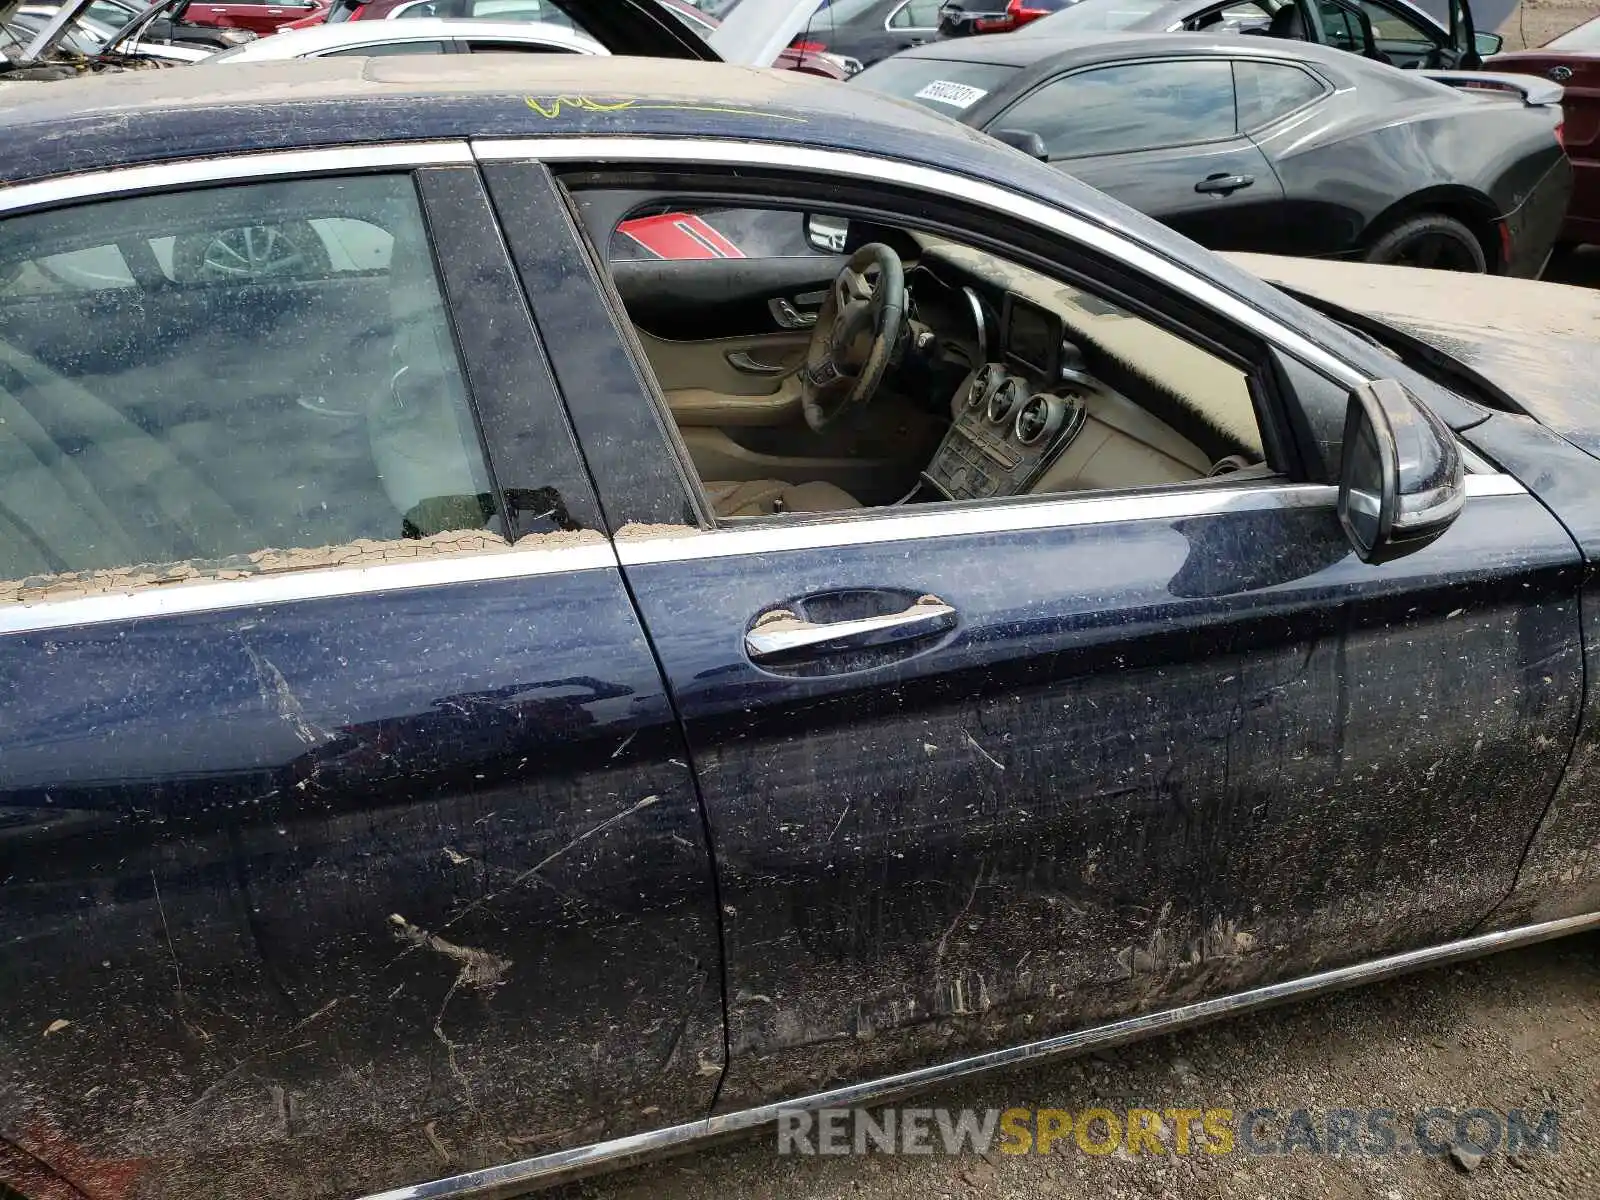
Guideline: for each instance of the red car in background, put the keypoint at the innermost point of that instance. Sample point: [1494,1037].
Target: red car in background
[259,18]
[1573,61]
[808,59]
[967,18]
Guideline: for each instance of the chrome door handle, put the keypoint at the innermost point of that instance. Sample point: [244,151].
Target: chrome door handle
[780,632]
[740,360]
[1224,183]
[788,316]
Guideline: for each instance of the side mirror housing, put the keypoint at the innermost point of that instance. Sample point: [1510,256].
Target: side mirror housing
[1025,140]
[1488,44]
[1401,479]
[827,235]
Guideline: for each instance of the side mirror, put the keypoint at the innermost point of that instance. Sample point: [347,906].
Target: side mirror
[1025,140]
[1488,44]
[1401,478]
[827,235]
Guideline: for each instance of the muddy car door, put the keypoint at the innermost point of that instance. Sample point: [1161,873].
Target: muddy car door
[983,770]
[345,830]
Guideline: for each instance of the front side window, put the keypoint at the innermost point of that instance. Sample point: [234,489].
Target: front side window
[1000,382]
[916,14]
[228,381]
[1135,106]
[1397,29]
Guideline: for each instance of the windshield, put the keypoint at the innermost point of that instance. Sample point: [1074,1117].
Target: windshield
[947,87]
[1584,37]
[1092,16]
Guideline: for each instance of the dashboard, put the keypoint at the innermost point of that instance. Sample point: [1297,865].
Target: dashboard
[1015,416]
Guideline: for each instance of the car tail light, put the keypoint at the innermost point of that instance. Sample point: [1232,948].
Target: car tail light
[1020,12]
[807,47]
[1561,133]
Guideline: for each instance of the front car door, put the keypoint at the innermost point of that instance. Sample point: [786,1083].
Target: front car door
[1162,135]
[346,835]
[1136,747]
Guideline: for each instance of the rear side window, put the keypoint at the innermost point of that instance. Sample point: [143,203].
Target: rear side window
[1267,91]
[386,48]
[916,14]
[227,382]
[1134,106]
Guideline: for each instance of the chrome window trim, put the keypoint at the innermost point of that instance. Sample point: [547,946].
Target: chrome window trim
[515,1178]
[312,583]
[876,526]
[119,181]
[877,170]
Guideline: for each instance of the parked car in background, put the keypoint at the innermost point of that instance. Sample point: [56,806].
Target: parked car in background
[568,706]
[1277,147]
[970,18]
[89,38]
[251,14]
[1393,31]
[421,36]
[1573,61]
[808,57]
[175,25]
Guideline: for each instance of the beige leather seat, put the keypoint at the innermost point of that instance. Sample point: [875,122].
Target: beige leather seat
[765,497]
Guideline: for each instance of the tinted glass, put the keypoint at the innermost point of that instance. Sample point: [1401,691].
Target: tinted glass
[384,48]
[1267,91]
[1391,26]
[1137,106]
[1342,28]
[947,87]
[1092,15]
[231,381]
[514,48]
[916,14]
[1584,37]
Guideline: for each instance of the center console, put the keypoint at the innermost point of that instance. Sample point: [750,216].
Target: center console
[1016,416]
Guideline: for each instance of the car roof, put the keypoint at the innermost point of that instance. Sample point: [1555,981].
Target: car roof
[124,118]
[291,43]
[1063,52]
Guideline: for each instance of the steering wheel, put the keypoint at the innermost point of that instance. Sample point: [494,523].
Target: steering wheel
[857,330]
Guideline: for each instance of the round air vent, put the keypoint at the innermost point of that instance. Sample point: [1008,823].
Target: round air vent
[1005,400]
[989,377]
[1039,418]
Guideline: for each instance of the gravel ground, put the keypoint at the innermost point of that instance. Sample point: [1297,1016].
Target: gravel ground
[1516,1030]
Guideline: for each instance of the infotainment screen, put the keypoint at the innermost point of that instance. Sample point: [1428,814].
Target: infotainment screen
[1031,335]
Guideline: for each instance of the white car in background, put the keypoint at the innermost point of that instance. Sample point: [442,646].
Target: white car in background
[420,35]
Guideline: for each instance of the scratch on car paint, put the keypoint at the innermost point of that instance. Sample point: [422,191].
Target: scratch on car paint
[938,953]
[973,742]
[551,107]
[533,871]
[263,1048]
[275,690]
[166,932]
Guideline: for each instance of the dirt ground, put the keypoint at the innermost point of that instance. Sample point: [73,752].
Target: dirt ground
[1520,1029]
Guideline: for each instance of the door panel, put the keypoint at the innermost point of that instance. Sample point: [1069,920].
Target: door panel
[695,300]
[1163,184]
[1155,760]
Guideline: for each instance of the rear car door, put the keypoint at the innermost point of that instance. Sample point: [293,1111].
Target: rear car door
[1162,136]
[346,832]
[1141,747]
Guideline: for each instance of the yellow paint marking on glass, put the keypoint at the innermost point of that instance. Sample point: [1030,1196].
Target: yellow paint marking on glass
[551,107]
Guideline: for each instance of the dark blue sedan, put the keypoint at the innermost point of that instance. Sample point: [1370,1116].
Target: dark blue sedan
[478,705]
